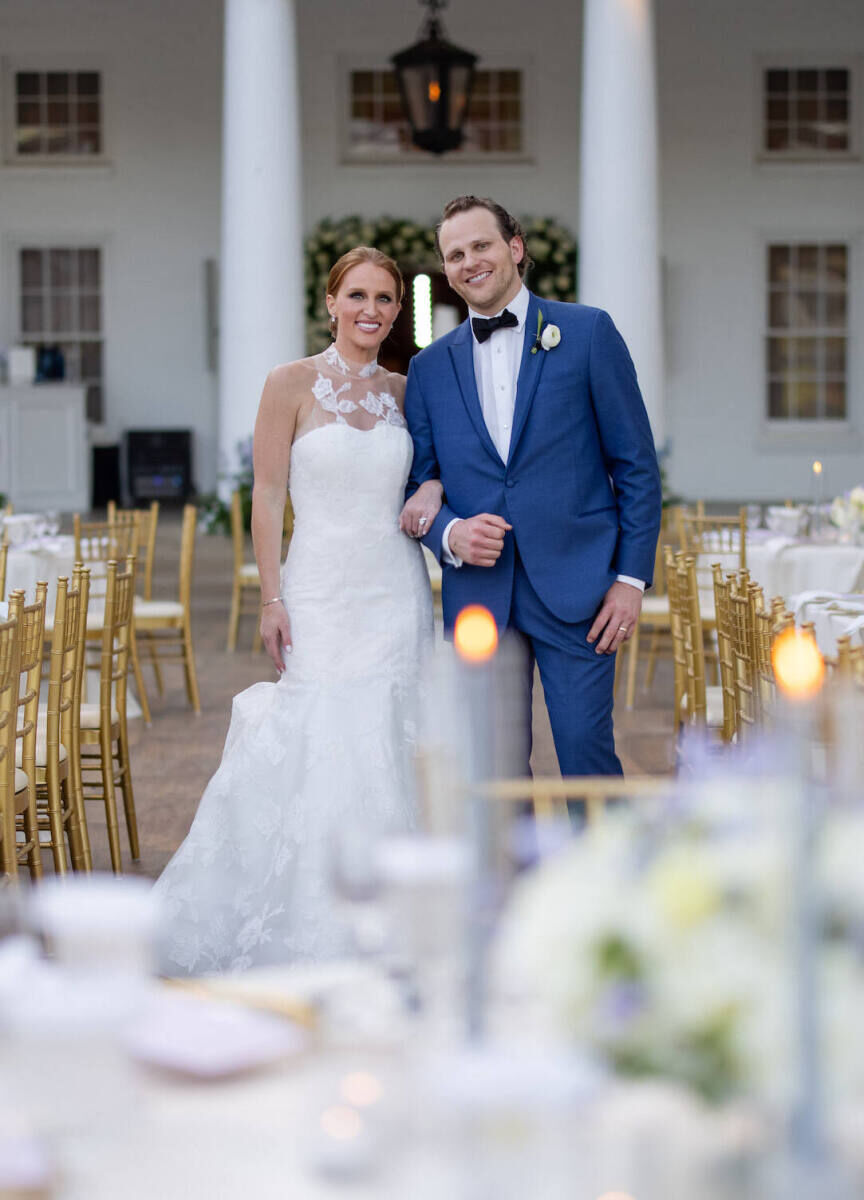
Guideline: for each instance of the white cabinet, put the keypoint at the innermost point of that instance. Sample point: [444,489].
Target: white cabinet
[44,447]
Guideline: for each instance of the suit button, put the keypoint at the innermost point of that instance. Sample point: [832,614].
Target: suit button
[510,483]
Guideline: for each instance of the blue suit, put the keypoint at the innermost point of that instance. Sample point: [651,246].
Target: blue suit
[581,488]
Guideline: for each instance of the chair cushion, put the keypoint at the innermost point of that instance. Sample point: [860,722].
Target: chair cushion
[249,571]
[90,716]
[22,782]
[41,750]
[157,609]
[655,605]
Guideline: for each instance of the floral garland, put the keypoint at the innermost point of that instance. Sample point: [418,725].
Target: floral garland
[552,247]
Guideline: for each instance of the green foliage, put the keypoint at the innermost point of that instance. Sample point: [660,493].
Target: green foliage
[551,246]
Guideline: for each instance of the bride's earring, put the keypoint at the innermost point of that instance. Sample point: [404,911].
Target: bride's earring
[333,329]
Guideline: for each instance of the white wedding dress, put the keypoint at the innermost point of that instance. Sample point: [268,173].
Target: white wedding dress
[330,744]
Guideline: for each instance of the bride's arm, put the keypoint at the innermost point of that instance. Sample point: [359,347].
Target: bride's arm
[274,432]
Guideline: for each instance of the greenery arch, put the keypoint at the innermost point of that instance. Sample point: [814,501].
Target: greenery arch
[552,247]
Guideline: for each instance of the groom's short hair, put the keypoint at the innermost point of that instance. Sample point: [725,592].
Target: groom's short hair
[508,226]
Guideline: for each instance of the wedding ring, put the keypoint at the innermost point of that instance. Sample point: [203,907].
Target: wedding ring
[622,628]
[422,521]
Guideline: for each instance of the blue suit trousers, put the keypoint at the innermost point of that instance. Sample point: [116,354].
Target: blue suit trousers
[577,682]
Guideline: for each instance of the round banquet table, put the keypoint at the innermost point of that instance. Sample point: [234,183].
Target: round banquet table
[787,566]
[46,559]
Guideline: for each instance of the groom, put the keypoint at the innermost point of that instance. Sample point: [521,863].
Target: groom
[531,416]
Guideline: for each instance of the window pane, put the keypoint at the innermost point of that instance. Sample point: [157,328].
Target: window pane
[94,402]
[780,355]
[808,264]
[28,141]
[779,264]
[58,112]
[91,360]
[777,110]
[837,81]
[777,81]
[835,266]
[87,83]
[835,355]
[31,268]
[837,141]
[88,268]
[58,143]
[808,401]
[89,314]
[835,310]
[837,110]
[87,112]
[805,309]
[61,268]
[509,82]
[57,83]
[88,141]
[777,137]
[835,400]
[778,309]
[806,109]
[27,83]
[807,355]
[62,320]
[807,81]
[32,314]
[29,112]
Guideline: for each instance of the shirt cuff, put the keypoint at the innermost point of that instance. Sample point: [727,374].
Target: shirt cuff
[446,553]
[637,583]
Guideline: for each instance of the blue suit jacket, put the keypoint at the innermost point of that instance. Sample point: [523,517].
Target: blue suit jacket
[581,486]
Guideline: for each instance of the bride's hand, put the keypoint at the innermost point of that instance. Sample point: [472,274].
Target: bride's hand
[422,508]
[276,633]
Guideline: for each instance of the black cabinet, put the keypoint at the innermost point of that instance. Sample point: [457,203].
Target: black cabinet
[159,465]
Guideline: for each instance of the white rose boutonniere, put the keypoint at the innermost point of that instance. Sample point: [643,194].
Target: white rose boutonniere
[548,336]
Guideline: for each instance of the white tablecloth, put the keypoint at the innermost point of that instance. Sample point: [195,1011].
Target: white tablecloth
[48,560]
[833,616]
[785,566]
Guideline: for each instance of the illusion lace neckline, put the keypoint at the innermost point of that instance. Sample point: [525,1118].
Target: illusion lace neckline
[334,359]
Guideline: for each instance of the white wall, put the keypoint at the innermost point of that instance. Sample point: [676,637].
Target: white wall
[157,206]
[720,206]
[155,209]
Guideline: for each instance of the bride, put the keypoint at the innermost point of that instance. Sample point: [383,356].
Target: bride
[346,622]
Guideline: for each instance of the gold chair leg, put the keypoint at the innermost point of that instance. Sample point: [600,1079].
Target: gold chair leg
[139,679]
[154,662]
[53,787]
[126,789]
[76,786]
[632,664]
[72,823]
[31,833]
[189,667]
[106,763]
[234,619]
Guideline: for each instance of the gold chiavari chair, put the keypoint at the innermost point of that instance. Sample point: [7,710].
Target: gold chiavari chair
[14,784]
[726,661]
[31,641]
[58,767]
[676,627]
[148,522]
[96,544]
[104,738]
[711,536]
[704,705]
[246,579]
[654,618]
[763,640]
[168,623]
[743,653]
[549,796]
[4,552]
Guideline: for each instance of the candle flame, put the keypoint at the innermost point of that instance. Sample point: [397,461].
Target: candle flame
[799,668]
[475,635]
[817,467]
[434,91]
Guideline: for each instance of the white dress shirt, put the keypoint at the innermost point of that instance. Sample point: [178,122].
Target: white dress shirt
[496,371]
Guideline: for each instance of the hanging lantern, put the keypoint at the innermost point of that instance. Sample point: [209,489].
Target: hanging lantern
[435,79]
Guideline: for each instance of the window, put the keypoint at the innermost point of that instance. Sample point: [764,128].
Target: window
[378,130]
[806,343]
[57,116]
[61,305]
[807,112]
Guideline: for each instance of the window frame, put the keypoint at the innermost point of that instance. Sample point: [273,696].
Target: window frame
[808,60]
[10,299]
[787,434]
[73,63]
[367,62]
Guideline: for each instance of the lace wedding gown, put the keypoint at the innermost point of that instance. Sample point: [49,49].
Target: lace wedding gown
[330,744]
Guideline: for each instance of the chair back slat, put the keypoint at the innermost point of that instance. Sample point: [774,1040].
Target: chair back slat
[4,554]
[187,553]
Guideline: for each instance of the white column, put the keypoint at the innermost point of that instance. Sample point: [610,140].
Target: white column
[261,305]
[619,235]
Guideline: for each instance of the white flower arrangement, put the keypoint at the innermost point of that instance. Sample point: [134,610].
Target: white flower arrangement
[847,511]
[666,950]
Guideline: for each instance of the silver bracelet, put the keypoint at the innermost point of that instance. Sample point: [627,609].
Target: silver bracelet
[275,600]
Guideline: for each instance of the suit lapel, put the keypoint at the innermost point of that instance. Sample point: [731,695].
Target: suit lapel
[462,352]
[529,374]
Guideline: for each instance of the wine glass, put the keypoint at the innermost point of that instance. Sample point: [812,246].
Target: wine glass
[52,522]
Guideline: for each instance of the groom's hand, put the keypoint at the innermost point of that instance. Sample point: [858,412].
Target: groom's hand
[479,540]
[617,618]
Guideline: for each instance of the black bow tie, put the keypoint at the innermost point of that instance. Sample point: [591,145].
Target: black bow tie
[484,327]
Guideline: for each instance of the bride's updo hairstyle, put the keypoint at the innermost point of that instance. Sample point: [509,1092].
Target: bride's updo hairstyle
[354,258]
